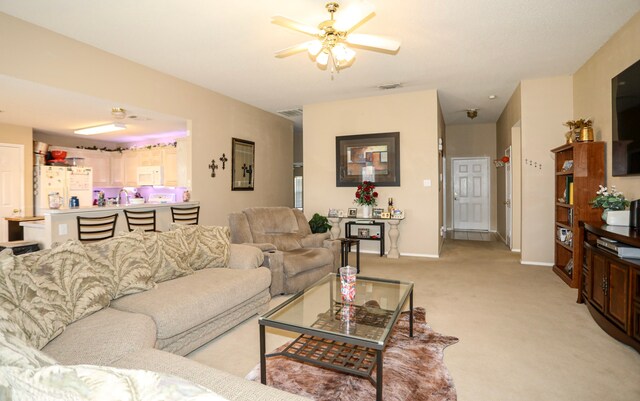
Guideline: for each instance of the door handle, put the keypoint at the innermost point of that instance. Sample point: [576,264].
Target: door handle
[455,196]
[507,202]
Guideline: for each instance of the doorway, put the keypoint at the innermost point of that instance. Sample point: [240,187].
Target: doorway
[11,184]
[471,199]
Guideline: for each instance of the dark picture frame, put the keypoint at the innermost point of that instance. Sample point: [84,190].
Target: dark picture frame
[243,164]
[370,157]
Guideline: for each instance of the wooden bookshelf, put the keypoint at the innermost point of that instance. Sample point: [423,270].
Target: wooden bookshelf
[575,186]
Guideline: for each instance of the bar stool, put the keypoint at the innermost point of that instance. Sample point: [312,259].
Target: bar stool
[345,248]
[185,215]
[145,219]
[96,228]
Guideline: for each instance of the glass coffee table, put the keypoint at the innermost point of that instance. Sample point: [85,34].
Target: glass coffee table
[346,337]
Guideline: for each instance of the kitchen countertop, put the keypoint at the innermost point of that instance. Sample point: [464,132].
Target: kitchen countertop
[19,219]
[91,209]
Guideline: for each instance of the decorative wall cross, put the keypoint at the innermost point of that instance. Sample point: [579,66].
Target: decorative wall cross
[213,166]
[224,160]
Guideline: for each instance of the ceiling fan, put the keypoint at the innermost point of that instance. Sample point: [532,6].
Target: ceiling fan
[334,38]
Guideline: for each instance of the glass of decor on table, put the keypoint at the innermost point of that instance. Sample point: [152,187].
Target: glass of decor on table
[348,283]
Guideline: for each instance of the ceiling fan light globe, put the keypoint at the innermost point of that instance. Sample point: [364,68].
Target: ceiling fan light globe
[314,48]
[323,58]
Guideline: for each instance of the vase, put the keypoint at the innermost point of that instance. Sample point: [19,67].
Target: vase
[604,214]
[366,211]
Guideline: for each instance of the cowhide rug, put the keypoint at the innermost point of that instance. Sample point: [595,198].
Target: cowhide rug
[413,370]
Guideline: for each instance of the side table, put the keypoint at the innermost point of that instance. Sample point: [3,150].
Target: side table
[345,248]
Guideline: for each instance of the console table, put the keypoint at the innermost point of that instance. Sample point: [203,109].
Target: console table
[393,233]
[610,285]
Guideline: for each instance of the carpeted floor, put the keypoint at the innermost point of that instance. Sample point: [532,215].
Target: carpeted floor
[413,370]
[522,336]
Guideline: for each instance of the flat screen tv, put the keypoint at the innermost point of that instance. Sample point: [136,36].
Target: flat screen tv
[625,90]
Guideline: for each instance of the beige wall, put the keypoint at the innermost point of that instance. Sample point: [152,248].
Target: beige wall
[472,140]
[592,92]
[14,134]
[38,55]
[508,134]
[546,104]
[415,116]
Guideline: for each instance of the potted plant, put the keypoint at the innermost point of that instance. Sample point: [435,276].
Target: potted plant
[609,200]
[579,130]
[366,197]
[319,224]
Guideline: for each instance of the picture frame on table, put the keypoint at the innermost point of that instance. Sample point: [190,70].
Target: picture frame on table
[385,215]
[352,212]
[363,233]
[377,213]
[397,214]
[332,213]
[341,213]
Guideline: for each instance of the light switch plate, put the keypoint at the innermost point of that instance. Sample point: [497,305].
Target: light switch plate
[427,183]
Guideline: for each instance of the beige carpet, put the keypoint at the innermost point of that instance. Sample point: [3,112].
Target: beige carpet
[522,336]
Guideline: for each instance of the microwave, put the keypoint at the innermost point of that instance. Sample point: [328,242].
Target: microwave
[150,175]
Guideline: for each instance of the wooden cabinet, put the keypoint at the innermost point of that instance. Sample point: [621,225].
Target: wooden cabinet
[611,285]
[579,170]
[100,162]
[150,157]
[117,170]
[130,163]
[170,166]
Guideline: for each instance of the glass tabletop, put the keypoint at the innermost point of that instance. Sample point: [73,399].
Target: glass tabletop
[319,309]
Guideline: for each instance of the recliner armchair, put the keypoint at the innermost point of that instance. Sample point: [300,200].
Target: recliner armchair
[297,258]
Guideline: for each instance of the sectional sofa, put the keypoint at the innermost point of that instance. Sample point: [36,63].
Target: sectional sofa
[86,314]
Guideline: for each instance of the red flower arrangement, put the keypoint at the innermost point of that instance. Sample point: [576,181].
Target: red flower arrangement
[366,194]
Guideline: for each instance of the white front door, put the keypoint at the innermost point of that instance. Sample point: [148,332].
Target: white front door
[470,193]
[507,197]
[11,184]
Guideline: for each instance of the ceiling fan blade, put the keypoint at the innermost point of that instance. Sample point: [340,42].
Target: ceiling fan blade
[353,17]
[373,42]
[295,25]
[289,51]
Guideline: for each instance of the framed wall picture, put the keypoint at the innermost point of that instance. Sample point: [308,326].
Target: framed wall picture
[377,213]
[368,157]
[352,212]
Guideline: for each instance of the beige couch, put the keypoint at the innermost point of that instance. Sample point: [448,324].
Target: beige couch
[297,258]
[138,301]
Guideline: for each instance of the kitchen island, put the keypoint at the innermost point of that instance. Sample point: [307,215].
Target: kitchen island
[60,225]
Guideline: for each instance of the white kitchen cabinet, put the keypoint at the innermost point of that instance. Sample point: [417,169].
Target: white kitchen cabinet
[117,169]
[183,150]
[170,166]
[130,163]
[150,157]
[100,162]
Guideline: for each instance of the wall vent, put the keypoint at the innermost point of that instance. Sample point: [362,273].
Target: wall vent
[386,87]
[291,112]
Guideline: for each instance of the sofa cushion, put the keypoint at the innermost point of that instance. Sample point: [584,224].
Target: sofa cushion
[208,246]
[102,338]
[224,384]
[86,382]
[124,263]
[303,224]
[244,257]
[14,350]
[167,254]
[282,242]
[271,220]
[301,260]
[198,297]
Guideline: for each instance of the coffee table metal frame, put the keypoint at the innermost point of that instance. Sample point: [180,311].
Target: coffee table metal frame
[333,350]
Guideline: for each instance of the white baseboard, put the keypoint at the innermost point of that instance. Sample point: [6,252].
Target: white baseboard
[526,262]
[516,250]
[419,255]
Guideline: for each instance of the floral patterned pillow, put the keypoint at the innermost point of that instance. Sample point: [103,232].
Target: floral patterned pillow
[20,298]
[168,255]
[14,350]
[123,262]
[208,245]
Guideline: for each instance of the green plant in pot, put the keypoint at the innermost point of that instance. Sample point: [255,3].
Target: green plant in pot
[319,224]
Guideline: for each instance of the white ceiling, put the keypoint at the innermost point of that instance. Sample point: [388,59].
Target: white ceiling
[466,49]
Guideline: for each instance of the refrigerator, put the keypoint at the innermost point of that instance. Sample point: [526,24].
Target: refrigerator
[67,181]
